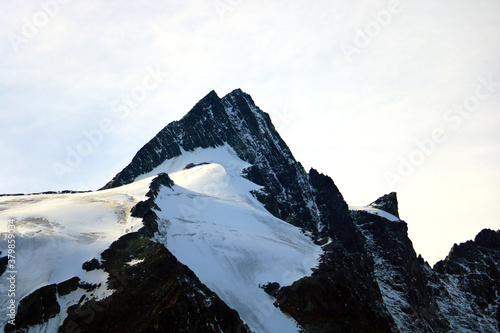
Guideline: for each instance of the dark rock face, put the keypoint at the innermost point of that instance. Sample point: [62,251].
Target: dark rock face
[488,239]
[459,294]
[334,212]
[158,294]
[387,203]
[36,308]
[371,280]
[405,280]
[341,296]
[480,255]
[66,287]
[197,129]
[271,288]
[91,265]
[471,271]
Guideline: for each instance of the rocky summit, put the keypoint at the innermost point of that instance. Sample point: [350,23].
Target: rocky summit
[215,227]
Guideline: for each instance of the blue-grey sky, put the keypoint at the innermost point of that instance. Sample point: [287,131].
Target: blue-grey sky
[382,96]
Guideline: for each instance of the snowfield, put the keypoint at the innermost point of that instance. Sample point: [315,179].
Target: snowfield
[56,233]
[209,220]
[212,224]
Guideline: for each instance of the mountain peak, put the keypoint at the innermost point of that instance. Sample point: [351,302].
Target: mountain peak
[237,91]
[387,203]
[234,122]
[489,239]
[211,96]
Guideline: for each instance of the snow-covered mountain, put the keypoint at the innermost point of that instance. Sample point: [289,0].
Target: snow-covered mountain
[215,227]
[237,122]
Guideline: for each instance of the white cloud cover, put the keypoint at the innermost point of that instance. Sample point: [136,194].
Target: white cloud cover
[352,117]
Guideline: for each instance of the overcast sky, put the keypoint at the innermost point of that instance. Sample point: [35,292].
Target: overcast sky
[380,95]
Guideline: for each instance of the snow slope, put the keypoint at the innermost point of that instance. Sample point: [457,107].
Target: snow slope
[56,233]
[209,220]
[223,154]
[212,224]
[376,211]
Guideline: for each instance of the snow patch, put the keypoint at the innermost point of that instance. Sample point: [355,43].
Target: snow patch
[56,233]
[223,155]
[376,211]
[135,262]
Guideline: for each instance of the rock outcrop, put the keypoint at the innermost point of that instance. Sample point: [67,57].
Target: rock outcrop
[388,203]
[158,294]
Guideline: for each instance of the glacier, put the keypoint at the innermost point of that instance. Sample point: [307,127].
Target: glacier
[209,220]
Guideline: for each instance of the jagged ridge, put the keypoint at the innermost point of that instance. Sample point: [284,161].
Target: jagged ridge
[460,294]
[237,121]
[367,255]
